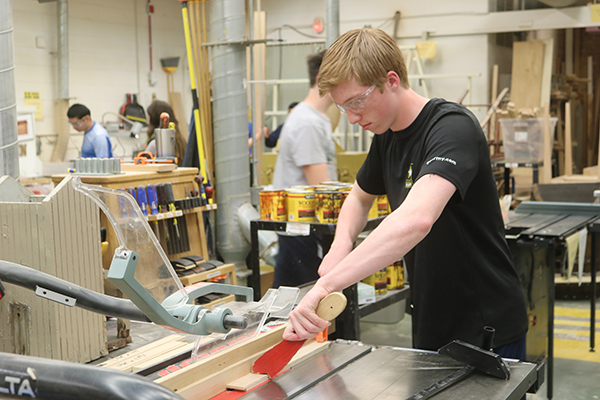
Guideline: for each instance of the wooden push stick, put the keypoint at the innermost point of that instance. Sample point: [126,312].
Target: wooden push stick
[273,361]
[546,175]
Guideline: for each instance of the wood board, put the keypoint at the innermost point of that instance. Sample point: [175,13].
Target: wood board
[527,72]
[58,234]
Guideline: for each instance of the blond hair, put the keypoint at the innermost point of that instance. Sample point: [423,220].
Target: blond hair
[365,54]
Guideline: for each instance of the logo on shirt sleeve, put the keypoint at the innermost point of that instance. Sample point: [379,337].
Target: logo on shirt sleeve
[444,159]
[409,180]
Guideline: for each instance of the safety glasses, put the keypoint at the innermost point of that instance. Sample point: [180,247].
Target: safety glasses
[356,104]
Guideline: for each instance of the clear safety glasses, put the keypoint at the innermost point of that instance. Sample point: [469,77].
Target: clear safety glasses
[356,104]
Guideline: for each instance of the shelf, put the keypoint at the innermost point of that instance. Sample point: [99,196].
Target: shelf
[384,300]
[180,213]
[205,275]
[226,299]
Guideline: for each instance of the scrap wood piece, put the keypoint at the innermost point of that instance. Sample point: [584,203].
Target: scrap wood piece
[247,382]
[187,347]
[494,107]
[151,355]
[247,350]
[140,350]
[251,380]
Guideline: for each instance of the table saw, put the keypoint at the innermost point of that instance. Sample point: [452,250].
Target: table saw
[350,370]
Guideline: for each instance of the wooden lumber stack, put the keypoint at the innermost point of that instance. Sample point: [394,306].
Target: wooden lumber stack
[58,234]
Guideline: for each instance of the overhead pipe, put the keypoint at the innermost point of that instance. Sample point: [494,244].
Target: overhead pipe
[9,156]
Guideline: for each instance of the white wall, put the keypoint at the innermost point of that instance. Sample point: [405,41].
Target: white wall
[455,54]
[108,57]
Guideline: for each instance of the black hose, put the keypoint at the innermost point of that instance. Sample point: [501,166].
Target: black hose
[30,278]
[53,379]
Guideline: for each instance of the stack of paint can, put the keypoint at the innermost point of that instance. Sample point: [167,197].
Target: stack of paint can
[395,275]
[321,203]
[378,280]
[300,204]
[272,205]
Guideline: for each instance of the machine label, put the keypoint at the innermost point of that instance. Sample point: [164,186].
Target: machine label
[18,385]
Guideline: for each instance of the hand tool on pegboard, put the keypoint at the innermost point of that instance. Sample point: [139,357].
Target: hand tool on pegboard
[153,204]
[161,195]
[183,243]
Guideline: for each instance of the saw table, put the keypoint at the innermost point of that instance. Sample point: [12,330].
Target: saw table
[350,370]
[536,233]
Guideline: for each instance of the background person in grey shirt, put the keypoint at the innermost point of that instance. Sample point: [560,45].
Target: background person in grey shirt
[306,157]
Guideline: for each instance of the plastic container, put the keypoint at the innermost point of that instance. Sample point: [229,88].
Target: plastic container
[523,139]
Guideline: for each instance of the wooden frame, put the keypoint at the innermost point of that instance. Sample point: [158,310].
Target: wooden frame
[25,127]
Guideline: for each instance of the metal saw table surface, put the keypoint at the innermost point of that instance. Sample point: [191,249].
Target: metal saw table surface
[347,372]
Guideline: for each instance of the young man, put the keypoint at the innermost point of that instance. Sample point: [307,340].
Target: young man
[306,157]
[96,142]
[431,158]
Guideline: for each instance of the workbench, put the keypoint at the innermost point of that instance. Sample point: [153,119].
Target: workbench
[347,324]
[507,165]
[535,231]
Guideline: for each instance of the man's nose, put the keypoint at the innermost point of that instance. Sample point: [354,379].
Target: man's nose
[353,117]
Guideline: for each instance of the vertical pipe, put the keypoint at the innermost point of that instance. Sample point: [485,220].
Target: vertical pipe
[9,157]
[63,49]
[230,121]
[332,16]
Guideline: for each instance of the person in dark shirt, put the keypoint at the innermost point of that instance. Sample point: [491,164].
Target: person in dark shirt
[431,158]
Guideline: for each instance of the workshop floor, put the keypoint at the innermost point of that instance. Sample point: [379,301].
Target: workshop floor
[575,378]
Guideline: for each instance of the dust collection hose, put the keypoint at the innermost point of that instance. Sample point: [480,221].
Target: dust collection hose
[29,278]
[34,377]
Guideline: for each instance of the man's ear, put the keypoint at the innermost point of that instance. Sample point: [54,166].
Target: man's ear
[393,80]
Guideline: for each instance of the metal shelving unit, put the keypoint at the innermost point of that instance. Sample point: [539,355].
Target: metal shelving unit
[347,324]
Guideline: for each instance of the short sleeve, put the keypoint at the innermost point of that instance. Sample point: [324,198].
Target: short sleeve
[370,175]
[101,146]
[309,148]
[452,151]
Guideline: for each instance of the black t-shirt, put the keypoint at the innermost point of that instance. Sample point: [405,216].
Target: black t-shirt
[461,274]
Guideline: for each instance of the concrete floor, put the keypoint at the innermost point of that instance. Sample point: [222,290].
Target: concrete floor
[573,380]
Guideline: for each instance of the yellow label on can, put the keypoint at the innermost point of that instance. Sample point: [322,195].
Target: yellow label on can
[378,280]
[300,206]
[382,205]
[272,205]
[395,275]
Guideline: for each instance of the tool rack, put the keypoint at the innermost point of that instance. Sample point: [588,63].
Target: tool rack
[181,179]
[347,324]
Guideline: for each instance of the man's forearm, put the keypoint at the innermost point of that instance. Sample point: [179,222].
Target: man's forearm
[352,219]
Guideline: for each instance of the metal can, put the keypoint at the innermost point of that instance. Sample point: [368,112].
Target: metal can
[378,280]
[300,205]
[382,205]
[272,205]
[395,275]
[325,206]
